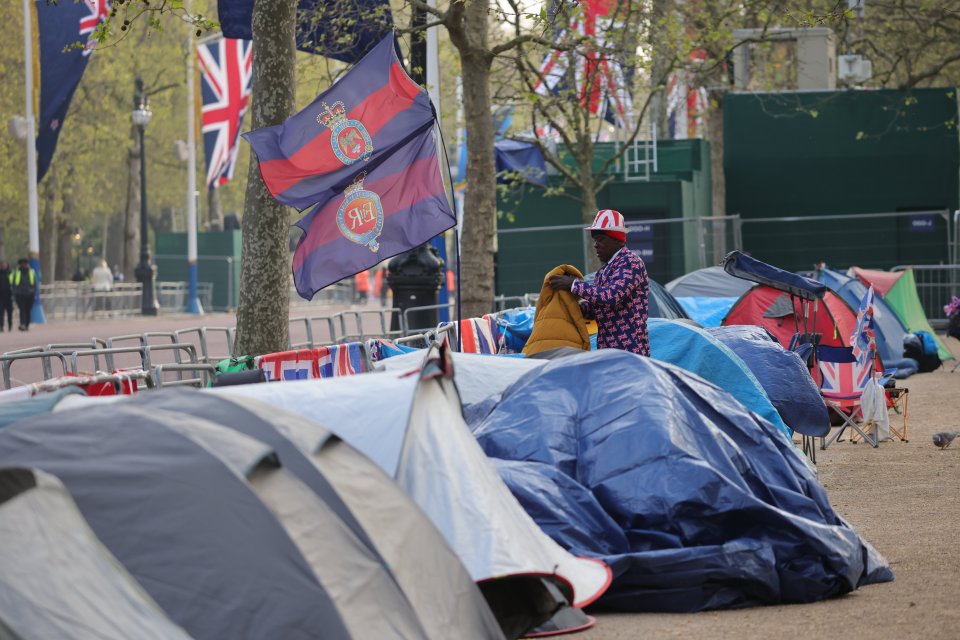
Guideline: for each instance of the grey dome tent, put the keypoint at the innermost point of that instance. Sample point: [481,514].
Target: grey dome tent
[711,282]
[58,581]
[446,599]
[184,521]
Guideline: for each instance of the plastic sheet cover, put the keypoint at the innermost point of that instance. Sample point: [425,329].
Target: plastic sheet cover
[693,501]
[783,375]
[698,352]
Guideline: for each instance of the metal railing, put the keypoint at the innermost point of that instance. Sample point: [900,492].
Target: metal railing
[868,240]
[64,301]
[936,285]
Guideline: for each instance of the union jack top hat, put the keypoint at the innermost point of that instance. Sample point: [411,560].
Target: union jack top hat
[611,223]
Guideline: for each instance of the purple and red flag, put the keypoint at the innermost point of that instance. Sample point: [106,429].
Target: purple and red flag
[365,155]
[227,71]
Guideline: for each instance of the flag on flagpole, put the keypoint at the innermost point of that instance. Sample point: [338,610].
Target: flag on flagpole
[61,65]
[226,67]
[366,156]
[344,30]
[373,110]
[601,81]
[864,337]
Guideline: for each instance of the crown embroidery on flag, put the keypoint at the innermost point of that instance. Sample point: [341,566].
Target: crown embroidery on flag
[348,138]
[360,216]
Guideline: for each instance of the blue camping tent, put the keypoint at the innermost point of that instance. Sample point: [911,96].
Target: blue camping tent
[662,475]
[889,330]
[782,373]
[697,351]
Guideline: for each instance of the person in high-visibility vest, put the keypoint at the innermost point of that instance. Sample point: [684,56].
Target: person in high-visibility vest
[23,281]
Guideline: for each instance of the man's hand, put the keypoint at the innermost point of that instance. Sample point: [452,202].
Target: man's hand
[561,283]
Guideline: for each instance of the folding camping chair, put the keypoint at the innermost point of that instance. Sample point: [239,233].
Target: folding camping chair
[842,380]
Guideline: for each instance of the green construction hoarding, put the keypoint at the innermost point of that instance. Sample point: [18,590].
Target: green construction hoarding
[825,159]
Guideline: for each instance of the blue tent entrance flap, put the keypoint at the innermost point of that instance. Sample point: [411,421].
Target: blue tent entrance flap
[709,312]
[743,266]
[782,373]
[697,351]
[663,476]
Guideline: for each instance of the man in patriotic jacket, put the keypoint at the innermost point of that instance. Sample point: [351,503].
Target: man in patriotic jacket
[618,296]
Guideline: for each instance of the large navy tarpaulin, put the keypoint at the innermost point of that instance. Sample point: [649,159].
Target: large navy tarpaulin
[712,507]
[782,374]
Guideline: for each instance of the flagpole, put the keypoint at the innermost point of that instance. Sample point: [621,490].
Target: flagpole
[193,302]
[36,315]
[433,90]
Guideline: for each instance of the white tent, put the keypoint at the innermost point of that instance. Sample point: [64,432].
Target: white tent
[412,427]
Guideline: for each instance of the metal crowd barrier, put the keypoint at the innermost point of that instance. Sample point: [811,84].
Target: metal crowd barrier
[936,285]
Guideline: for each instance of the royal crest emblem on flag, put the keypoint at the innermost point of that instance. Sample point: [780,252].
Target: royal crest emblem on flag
[348,138]
[360,216]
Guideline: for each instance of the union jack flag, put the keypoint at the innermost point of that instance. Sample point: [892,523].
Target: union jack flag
[340,360]
[599,80]
[227,67]
[864,337]
[99,12]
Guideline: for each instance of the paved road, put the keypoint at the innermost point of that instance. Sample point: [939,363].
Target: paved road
[83,331]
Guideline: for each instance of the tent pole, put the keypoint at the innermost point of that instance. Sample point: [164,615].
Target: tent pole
[456,238]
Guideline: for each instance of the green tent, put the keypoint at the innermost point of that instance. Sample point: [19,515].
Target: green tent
[899,290]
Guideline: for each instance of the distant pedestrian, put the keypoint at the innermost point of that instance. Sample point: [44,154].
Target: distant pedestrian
[362,283]
[6,296]
[117,274]
[23,281]
[102,281]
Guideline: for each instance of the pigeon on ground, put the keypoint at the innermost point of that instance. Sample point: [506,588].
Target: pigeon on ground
[945,438]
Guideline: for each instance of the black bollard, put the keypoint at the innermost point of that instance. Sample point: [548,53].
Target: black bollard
[415,278]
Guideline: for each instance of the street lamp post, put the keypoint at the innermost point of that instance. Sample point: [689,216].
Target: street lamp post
[146,271]
[77,240]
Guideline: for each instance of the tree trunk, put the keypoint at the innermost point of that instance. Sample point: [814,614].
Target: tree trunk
[66,265]
[48,234]
[467,25]
[264,303]
[588,206]
[214,210]
[131,223]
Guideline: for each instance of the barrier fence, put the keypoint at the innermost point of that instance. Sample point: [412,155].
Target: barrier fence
[64,301]
[936,285]
[669,247]
[870,240]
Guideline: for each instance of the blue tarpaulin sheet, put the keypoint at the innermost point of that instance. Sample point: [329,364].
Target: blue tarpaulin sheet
[697,351]
[695,502]
[784,377]
[524,158]
[709,312]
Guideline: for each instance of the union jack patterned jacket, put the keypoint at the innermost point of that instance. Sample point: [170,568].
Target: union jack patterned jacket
[618,299]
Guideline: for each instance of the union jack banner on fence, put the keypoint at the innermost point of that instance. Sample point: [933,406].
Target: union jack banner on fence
[227,70]
[600,81]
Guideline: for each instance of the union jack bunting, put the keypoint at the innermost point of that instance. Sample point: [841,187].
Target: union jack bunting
[99,12]
[340,360]
[600,81]
[227,71]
